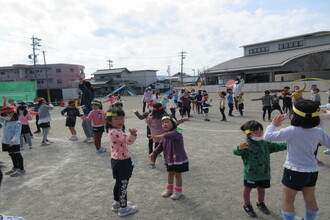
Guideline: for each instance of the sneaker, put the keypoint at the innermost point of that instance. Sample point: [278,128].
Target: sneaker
[223,120]
[327,151]
[18,173]
[249,211]
[50,142]
[231,115]
[152,165]
[206,119]
[36,132]
[319,162]
[167,193]
[44,143]
[176,195]
[74,138]
[11,171]
[30,147]
[89,140]
[116,206]
[298,218]
[101,150]
[262,207]
[128,210]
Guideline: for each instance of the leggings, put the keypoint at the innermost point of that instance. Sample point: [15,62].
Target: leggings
[17,160]
[97,139]
[120,192]
[27,136]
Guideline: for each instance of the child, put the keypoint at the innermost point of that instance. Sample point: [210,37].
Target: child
[300,167]
[240,103]
[111,100]
[121,162]
[206,105]
[230,100]
[173,104]
[287,100]
[222,104]
[144,116]
[35,110]
[185,100]
[324,115]
[11,128]
[44,120]
[71,113]
[199,102]
[297,94]
[154,123]
[267,100]
[316,96]
[175,157]
[97,116]
[255,155]
[24,117]
[276,103]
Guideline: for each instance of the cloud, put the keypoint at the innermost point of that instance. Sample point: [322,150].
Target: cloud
[147,34]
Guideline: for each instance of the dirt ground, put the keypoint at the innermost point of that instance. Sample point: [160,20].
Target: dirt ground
[68,180]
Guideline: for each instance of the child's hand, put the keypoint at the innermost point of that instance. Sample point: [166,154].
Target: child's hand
[243,146]
[278,120]
[186,119]
[133,131]
[155,137]
[83,117]
[11,144]
[134,110]
[152,157]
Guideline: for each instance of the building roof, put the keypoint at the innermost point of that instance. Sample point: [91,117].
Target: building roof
[315,34]
[110,71]
[268,60]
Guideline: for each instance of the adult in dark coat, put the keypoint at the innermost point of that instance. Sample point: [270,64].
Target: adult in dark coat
[85,102]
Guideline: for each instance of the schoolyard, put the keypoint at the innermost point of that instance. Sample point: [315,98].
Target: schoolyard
[68,180]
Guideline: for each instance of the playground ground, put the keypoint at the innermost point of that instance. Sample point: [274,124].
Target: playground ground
[68,180]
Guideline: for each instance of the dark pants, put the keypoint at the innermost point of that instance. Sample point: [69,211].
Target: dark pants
[37,120]
[185,109]
[122,171]
[97,139]
[222,110]
[172,111]
[231,107]
[277,107]
[199,108]
[240,108]
[266,108]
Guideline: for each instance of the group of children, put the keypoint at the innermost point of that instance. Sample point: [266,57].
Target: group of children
[302,139]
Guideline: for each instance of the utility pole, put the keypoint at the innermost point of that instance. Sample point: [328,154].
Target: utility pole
[35,44]
[47,84]
[110,63]
[194,76]
[169,75]
[182,54]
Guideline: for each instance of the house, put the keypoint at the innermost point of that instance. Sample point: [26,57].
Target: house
[279,60]
[107,80]
[58,75]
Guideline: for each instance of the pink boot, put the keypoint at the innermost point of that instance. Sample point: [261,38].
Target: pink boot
[168,191]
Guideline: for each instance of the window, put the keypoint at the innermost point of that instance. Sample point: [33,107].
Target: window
[282,78]
[58,70]
[259,50]
[291,45]
[2,73]
[118,76]
[72,70]
[59,81]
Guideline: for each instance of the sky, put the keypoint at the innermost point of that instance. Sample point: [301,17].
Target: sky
[150,34]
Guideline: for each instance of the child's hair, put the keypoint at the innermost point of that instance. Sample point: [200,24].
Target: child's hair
[305,114]
[170,96]
[267,92]
[158,111]
[21,106]
[40,100]
[172,119]
[316,90]
[229,90]
[223,93]
[250,126]
[5,110]
[286,87]
[118,105]
[97,102]
[71,102]
[205,94]
[113,112]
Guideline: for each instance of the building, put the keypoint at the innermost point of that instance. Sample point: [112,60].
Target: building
[106,81]
[281,60]
[59,75]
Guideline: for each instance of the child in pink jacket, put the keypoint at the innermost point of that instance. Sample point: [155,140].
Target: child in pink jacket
[121,162]
[97,115]
[24,117]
